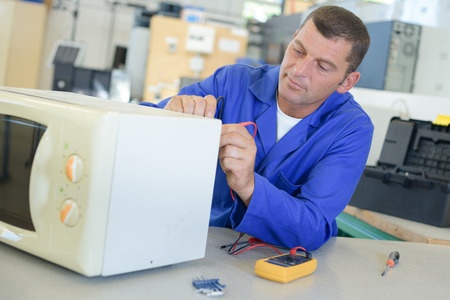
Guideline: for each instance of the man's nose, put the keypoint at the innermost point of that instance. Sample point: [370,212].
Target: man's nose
[302,67]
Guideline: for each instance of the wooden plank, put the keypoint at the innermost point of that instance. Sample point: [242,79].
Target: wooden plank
[395,229]
[25,53]
[6,21]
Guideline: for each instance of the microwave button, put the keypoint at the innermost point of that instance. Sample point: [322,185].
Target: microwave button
[69,213]
[74,168]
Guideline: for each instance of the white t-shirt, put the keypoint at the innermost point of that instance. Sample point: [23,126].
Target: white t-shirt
[284,123]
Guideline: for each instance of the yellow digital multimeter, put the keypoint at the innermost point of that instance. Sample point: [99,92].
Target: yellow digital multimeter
[285,268]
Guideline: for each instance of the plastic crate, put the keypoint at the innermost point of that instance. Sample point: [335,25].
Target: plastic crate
[412,176]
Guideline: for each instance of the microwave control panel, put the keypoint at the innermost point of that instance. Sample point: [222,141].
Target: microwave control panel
[74,170]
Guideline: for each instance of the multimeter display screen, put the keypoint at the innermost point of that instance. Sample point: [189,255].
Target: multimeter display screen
[288,260]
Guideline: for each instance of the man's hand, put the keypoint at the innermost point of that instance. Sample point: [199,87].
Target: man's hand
[194,105]
[237,158]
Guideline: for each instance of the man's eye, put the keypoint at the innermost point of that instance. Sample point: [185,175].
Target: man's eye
[299,52]
[323,68]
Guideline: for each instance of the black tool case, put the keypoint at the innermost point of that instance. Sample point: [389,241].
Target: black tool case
[412,177]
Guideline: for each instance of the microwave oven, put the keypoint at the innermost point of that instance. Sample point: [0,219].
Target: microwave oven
[102,187]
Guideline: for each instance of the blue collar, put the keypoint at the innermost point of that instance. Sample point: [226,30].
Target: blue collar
[265,88]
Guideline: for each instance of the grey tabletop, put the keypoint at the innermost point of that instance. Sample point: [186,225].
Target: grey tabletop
[347,268]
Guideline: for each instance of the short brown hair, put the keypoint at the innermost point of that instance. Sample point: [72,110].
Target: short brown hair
[335,22]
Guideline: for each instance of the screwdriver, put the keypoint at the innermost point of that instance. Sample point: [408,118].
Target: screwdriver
[393,260]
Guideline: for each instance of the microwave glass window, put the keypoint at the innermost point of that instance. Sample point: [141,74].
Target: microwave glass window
[19,139]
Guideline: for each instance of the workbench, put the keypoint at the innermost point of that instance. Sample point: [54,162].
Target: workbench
[348,268]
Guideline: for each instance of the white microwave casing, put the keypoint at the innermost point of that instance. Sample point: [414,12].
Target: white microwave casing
[139,191]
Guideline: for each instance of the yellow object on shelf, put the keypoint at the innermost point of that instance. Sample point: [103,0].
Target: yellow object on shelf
[442,120]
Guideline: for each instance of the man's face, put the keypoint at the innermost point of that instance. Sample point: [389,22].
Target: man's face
[313,67]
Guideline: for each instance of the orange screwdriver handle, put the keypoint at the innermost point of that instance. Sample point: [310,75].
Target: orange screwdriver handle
[393,258]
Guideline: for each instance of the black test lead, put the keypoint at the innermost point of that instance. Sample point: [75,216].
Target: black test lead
[393,260]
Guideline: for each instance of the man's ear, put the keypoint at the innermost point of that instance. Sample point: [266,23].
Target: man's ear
[349,82]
